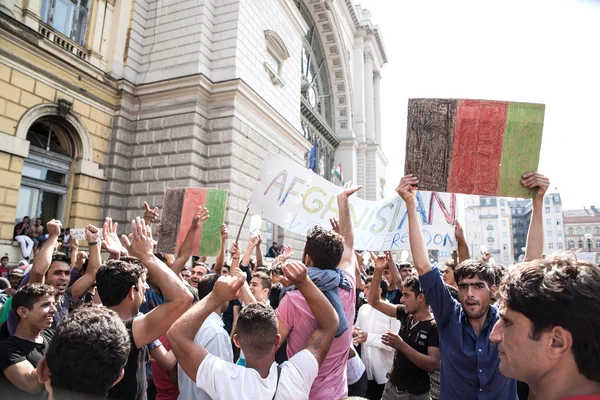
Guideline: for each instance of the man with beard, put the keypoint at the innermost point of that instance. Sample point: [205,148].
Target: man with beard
[35,307]
[55,270]
[197,272]
[417,344]
[469,365]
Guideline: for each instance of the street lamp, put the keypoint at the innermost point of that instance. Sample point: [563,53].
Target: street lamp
[588,237]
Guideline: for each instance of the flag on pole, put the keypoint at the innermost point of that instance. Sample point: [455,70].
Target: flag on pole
[312,161]
[338,173]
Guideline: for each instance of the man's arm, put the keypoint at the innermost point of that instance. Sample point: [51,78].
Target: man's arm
[181,335]
[154,324]
[374,300]
[259,254]
[407,189]
[83,284]
[24,376]
[165,359]
[220,261]
[345,229]
[535,237]
[187,247]
[394,270]
[43,258]
[427,362]
[463,249]
[327,319]
[248,254]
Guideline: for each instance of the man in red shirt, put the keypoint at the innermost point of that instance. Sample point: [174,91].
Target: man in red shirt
[547,334]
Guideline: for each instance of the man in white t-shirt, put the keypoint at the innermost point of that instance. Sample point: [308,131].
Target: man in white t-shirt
[258,338]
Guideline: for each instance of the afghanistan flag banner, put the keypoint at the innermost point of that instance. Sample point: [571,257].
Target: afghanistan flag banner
[473,146]
[180,205]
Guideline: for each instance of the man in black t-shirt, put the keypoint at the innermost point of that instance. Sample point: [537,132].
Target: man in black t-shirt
[121,286]
[417,344]
[34,305]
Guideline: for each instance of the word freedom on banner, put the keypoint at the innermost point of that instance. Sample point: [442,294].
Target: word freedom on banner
[297,199]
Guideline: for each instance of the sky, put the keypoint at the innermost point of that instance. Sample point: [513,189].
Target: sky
[539,51]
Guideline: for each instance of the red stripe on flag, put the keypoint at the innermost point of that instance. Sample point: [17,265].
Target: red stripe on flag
[194,197]
[477,149]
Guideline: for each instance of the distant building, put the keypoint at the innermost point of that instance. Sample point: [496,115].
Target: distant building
[554,240]
[582,229]
[488,223]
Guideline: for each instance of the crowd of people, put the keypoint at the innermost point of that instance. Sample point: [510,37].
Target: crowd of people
[338,323]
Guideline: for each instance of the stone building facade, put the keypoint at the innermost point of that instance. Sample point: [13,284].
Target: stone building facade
[582,230]
[105,104]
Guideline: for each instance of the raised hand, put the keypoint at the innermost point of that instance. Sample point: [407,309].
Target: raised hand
[253,241]
[235,250]
[159,228]
[200,216]
[53,226]
[294,273]
[227,288]
[381,262]
[533,179]
[407,187]
[458,231]
[224,232]
[141,243]
[110,239]
[74,244]
[91,234]
[349,189]
[334,225]
[150,215]
[287,252]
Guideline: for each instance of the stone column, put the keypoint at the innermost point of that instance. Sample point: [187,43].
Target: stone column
[376,80]
[369,98]
[359,85]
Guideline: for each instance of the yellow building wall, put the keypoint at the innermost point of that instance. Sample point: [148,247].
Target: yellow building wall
[18,93]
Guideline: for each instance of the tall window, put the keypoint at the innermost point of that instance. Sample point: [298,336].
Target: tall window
[45,172]
[69,17]
[571,244]
[570,231]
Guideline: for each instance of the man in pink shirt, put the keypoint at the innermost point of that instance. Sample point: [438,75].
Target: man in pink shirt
[329,256]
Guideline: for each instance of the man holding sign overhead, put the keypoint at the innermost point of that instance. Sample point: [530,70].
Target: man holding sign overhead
[469,364]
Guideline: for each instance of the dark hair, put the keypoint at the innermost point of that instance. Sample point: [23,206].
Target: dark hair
[412,282]
[265,280]
[257,329]
[206,285]
[383,285]
[93,343]
[450,263]
[400,266]
[161,257]
[324,247]
[115,278]
[470,268]
[4,283]
[560,292]
[3,257]
[500,271]
[29,294]
[262,269]
[194,293]
[61,257]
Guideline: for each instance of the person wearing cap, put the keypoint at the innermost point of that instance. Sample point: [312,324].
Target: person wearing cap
[15,276]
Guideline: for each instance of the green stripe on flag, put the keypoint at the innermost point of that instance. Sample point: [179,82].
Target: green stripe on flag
[521,147]
[210,239]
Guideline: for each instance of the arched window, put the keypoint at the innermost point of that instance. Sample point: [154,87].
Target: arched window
[580,244]
[46,170]
[570,231]
[597,230]
[579,231]
[588,230]
[571,244]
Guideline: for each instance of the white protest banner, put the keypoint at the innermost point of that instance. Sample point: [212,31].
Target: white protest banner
[297,199]
[586,256]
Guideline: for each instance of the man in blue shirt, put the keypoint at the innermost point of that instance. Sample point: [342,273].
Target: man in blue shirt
[469,363]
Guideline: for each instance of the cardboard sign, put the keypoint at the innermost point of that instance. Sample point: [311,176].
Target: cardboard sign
[297,199]
[473,146]
[178,212]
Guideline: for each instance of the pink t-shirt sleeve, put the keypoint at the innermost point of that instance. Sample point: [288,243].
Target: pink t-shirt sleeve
[285,312]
